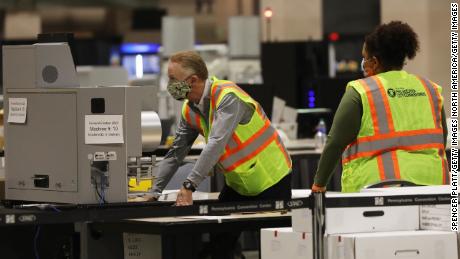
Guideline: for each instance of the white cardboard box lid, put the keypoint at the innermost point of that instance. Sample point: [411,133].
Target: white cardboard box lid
[434,189]
[397,234]
[301,193]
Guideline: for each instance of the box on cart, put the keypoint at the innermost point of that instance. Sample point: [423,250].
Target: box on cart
[425,244]
[276,243]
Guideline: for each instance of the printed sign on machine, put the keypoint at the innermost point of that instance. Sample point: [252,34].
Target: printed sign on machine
[17,110]
[104,129]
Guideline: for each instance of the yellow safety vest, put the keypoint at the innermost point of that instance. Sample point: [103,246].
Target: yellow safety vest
[254,159]
[401,135]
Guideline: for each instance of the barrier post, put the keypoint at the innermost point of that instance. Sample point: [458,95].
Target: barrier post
[319,212]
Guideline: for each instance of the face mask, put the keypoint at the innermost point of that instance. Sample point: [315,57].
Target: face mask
[362,65]
[179,89]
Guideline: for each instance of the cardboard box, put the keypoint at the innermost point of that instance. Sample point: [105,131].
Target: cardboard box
[302,220]
[360,219]
[432,217]
[401,244]
[276,243]
[378,218]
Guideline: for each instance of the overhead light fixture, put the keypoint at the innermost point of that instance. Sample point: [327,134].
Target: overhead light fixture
[268,13]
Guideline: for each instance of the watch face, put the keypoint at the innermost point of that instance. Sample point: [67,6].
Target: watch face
[188,186]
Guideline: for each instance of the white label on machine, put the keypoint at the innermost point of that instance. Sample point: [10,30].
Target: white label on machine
[141,246]
[111,155]
[17,110]
[100,156]
[103,129]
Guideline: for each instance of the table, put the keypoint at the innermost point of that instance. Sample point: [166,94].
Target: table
[100,227]
[179,237]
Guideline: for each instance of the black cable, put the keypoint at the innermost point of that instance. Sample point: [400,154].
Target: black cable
[54,208]
[101,198]
[37,233]
[102,192]
[98,195]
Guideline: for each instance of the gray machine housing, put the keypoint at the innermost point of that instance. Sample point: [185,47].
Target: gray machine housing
[46,158]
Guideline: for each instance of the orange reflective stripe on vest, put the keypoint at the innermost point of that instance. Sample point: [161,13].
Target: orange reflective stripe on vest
[435,101]
[401,136]
[233,142]
[364,148]
[281,146]
[388,169]
[254,157]
[193,119]
[249,148]
[445,175]
[236,151]
[217,91]
[385,141]
[383,123]
[380,109]
[436,110]
[385,150]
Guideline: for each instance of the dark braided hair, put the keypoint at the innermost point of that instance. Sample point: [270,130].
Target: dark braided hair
[391,43]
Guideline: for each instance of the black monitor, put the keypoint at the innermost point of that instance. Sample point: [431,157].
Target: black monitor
[262,93]
[351,17]
[286,65]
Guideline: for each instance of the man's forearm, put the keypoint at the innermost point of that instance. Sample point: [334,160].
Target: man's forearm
[166,169]
[180,148]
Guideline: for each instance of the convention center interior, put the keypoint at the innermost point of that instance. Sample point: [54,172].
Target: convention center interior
[229,129]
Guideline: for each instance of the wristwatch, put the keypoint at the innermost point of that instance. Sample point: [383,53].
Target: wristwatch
[188,185]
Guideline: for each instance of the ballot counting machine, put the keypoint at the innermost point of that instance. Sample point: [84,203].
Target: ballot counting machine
[68,143]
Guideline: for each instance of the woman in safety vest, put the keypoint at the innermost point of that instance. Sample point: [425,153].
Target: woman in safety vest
[390,124]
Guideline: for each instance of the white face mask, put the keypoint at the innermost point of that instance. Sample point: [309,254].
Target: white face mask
[362,68]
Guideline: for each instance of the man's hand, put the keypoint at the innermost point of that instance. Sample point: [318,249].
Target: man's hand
[184,197]
[317,188]
[150,197]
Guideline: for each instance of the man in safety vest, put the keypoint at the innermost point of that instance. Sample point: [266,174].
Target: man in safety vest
[390,124]
[241,143]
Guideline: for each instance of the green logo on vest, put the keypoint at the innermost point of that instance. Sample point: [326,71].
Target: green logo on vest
[403,92]
[391,92]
